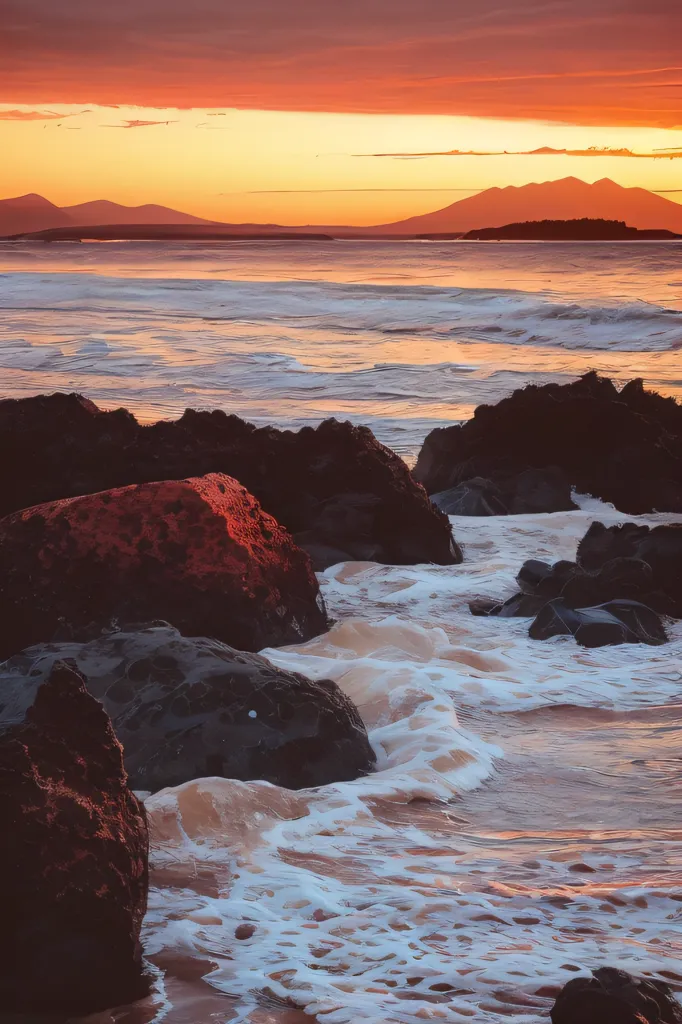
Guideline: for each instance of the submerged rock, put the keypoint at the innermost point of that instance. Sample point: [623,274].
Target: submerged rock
[615,997]
[616,622]
[341,493]
[624,447]
[73,857]
[200,553]
[188,708]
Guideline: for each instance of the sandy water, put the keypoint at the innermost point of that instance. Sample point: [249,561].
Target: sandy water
[523,824]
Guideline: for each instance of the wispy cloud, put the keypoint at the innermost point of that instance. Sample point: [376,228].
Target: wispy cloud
[600,151]
[136,124]
[31,115]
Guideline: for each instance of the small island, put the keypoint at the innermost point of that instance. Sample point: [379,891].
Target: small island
[585,229]
[162,233]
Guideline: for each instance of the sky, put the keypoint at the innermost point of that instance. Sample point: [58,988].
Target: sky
[317,111]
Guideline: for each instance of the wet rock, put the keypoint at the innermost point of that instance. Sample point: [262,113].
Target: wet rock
[523,492]
[660,548]
[200,553]
[475,497]
[523,606]
[615,997]
[334,487]
[73,857]
[616,622]
[624,447]
[190,708]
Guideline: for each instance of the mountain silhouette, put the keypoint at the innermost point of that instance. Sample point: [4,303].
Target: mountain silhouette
[30,213]
[101,211]
[566,199]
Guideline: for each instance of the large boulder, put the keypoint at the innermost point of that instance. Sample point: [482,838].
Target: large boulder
[200,553]
[188,708]
[73,857]
[624,447]
[615,997]
[341,493]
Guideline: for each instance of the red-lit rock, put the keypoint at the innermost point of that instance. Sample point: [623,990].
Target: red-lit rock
[198,553]
[73,858]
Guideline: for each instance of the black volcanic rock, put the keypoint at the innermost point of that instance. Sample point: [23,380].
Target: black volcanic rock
[616,622]
[612,996]
[624,447]
[198,552]
[73,856]
[504,493]
[189,708]
[341,493]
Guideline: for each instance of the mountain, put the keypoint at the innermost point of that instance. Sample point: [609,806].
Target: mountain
[30,213]
[101,211]
[566,199]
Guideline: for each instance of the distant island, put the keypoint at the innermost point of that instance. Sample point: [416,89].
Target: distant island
[584,229]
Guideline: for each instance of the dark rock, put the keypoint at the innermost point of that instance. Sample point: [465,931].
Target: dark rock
[616,622]
[523,606]
[623,447]
[503,493]
[660,548]
[475,497]
[190,708]
[73,857]
[614,997]
[200,553]
[333,487]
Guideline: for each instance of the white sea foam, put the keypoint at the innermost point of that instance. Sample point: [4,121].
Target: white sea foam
[368,906]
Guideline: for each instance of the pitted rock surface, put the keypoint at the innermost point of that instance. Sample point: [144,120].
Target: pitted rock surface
[73,856]
[190,708]
[200,553]
[342,494]
[612,996]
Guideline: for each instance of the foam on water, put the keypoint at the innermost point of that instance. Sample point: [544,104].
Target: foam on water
[486,861]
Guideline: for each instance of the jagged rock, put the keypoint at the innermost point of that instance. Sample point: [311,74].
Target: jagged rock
[522,493]
[200,553]
[73,857]
[189,708]
[624,447]
[615,997]
[616,622]
[335,487]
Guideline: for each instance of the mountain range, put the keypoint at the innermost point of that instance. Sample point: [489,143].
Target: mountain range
[565,199]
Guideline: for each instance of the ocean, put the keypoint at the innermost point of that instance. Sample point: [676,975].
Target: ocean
[523,825]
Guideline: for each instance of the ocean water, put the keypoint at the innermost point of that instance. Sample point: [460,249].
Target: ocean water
[523,825]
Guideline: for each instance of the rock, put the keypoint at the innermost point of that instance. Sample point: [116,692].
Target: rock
[616,622]
[660,548]
[624,447]
[199,553]
[189,708]
[522,493]
[334,487]
[614,997]
[73,858]
[524,606]
[475,497]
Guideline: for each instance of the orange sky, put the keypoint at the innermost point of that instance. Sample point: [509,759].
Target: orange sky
[279,98]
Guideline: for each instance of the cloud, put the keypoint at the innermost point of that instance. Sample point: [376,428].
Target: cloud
[30,115]
[605,63]
[315,191]
[673,153]
[136,124]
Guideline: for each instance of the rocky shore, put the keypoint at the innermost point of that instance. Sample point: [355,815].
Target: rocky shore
[142,568]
